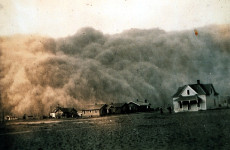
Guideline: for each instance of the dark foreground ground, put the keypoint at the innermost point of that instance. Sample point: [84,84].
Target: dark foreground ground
[197,130]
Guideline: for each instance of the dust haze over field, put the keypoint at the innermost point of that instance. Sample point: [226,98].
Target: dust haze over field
[37,72]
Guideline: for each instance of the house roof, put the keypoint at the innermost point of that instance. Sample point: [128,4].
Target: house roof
[197,87]
[68,109]
[201,89]
[209,88]
[140,103]
[94,107]
[179,91]
[64,110]
[187,98]
[118,104]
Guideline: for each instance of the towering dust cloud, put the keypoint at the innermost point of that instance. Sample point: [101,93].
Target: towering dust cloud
[37,73]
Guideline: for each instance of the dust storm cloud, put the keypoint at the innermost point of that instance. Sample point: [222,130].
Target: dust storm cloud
[37,73]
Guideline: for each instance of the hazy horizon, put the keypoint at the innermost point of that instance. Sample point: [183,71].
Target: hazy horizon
[75,52]
[37,72]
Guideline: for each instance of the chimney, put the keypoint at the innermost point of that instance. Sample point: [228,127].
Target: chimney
[198,81]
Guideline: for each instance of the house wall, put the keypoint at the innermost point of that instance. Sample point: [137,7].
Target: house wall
[90,113]
[133,107]
[103,111]
[125,108]
[176,106]
[143,108]
[58,114]
[52,115]
[203,102]
[185,107]
[193,107]
[117,110]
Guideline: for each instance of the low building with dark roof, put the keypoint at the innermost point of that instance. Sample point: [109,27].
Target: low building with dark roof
[117,108]
[94,110]
[139,106]
[60,112]
[194,97]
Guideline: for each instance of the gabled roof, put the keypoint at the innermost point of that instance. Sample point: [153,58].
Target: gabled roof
[68,110]
[64,110]
[197,88]
[179,91]
[139,103]
[118,104]
[209,88]
[201,89]
[94,107]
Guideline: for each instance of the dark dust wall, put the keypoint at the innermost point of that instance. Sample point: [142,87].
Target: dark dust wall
[39,72]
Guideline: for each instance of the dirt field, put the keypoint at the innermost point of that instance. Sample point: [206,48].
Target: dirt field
[197,130]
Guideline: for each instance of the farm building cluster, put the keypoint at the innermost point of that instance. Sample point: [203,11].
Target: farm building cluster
[101,109]
[187,98]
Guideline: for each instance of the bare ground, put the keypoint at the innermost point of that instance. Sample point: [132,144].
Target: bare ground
[196,130]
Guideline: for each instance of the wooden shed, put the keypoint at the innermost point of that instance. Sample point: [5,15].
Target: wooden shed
[94,110]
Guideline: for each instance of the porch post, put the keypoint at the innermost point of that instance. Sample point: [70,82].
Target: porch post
[197,104]
[182,105]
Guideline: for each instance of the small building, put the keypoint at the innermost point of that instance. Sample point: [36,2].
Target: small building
[10,117]
[194,97]
[60,112]
[117,108]
[30,117]
[133,107]
[94,110]
[139,106]
[224,101]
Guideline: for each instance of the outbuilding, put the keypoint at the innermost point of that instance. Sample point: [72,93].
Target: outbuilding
[60,112]
[94,110]
[117,108]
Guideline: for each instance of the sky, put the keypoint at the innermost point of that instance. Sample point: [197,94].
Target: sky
[59,18]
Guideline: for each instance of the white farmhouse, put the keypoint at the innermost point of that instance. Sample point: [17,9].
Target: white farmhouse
[194,97]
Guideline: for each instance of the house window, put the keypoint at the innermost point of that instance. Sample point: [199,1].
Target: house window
[90,111]
[188,92]
[95,111]
[198,104]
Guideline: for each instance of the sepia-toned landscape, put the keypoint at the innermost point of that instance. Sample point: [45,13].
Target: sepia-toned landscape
[105,74]
[197,130]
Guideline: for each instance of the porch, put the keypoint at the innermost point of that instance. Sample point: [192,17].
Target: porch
[188,103]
